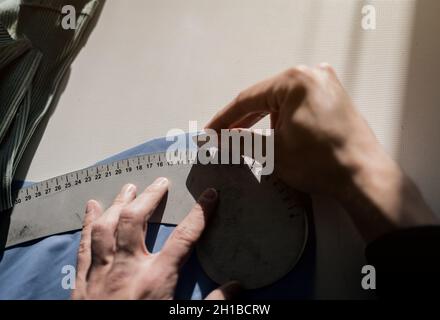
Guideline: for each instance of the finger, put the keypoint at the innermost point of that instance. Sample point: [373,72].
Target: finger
[227,291]
[263,98]
[249,120]
[93,211]
[185,235]
[132,224]
[104,228]
[247,107]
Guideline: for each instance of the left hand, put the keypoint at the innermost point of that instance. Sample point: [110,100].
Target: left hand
[113,261]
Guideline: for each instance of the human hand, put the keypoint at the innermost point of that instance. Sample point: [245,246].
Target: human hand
[317,129]
[323,145]
[113,261]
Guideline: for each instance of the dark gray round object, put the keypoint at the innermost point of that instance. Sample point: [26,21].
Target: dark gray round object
[258,232]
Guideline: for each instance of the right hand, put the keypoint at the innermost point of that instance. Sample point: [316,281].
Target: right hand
[323,145]
[320,137]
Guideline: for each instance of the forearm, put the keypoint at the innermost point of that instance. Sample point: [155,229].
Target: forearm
[380,198]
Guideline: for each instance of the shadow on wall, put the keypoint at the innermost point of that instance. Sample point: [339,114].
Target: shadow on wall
[420,148]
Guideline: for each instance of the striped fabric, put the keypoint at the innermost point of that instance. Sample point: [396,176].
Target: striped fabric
[35,53]
[15,79]
[10,49]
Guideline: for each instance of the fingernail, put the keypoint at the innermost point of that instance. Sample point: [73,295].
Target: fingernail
[210,194]
[160,181]
[129,188]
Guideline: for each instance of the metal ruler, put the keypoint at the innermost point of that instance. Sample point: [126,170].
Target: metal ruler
[57,205]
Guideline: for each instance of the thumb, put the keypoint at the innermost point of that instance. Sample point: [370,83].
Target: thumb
[227,291]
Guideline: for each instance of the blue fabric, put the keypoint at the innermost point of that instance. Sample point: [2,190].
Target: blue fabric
[34,270]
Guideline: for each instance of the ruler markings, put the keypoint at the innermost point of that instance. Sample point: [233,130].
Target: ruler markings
[116,168]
